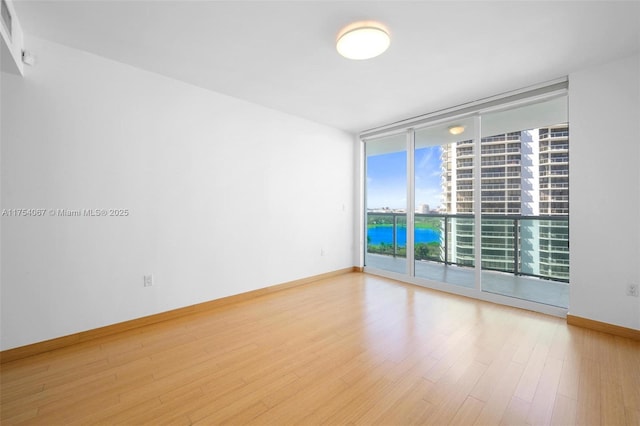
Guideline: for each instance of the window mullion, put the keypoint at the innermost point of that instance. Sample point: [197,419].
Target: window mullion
[411,190]
[477,200]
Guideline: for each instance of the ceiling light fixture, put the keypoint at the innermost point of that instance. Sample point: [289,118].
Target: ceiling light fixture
[456,130]
[363,40]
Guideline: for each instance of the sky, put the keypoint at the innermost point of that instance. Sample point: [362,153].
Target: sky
[387,179]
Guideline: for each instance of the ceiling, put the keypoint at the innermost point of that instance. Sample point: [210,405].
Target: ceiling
[281,54]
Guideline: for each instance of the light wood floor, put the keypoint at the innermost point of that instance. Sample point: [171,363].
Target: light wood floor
[356,349]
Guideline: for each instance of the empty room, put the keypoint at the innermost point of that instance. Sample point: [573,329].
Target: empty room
[319,212]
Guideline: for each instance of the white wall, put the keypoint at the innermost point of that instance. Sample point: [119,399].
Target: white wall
[224,196]
[604,114]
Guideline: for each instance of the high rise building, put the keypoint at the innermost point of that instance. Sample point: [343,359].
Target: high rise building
[554,201]
[523,174]
[423,209]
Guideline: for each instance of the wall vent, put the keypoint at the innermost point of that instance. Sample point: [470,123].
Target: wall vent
[6,18]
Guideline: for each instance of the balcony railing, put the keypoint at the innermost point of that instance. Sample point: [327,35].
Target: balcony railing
[510,243]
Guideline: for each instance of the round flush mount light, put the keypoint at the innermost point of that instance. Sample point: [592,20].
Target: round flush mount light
[456,130]
[363,40]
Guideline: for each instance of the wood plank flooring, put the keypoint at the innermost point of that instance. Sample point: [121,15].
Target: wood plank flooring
[354,349]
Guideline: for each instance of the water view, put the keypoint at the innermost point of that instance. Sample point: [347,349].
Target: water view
[383,234]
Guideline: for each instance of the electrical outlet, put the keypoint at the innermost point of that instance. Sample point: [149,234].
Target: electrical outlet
[148,280]
[632,290]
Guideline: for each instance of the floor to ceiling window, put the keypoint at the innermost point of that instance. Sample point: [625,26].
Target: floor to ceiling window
[386,197]
[443,202]
[525,201]
[476,200]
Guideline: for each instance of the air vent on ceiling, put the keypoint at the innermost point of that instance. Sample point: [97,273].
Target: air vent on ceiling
[6,17]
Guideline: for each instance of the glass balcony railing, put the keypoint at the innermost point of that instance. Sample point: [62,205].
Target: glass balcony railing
[535,246]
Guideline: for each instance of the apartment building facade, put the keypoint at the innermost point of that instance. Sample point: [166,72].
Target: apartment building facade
[524,181]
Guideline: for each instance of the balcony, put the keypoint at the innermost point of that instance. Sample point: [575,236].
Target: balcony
[522,256]
[496,138]
[493,151]
[501,162]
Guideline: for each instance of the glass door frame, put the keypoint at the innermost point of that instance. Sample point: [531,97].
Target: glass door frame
[365,212]
[410,194]
[542,93]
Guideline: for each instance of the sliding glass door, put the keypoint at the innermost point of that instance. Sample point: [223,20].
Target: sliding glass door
[478,202]
[444,204]
[525,202]
[386,204]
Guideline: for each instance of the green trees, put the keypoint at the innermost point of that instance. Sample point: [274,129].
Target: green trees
[427,251]
[423,251]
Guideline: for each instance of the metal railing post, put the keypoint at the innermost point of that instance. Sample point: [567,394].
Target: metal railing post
[516,237]
[395,239]
[446,240]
